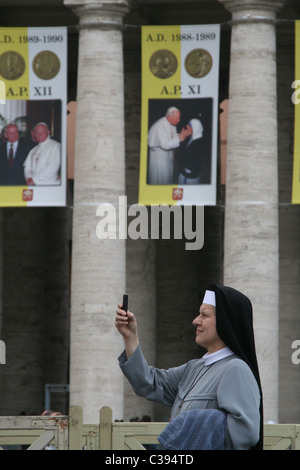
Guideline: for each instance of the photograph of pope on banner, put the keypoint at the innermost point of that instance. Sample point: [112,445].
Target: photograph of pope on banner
[30,143]
[179,141]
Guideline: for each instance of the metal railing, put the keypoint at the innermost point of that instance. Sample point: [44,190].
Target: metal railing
[70,433]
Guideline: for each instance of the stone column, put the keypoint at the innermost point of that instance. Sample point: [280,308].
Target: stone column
[98,266]
[251,260]
[140,254]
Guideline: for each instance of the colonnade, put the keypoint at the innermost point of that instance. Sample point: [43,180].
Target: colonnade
[251,208]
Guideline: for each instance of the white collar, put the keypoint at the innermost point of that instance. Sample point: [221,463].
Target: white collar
[14,144]
[217,356]
[44,143]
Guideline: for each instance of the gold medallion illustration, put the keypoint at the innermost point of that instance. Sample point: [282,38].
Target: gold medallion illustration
[12,65]
[198,63]
[46,65]
[163,63]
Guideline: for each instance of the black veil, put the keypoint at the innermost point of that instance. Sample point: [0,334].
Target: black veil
[234,322]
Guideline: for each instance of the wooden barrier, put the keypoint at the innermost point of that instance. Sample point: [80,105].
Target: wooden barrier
[34,432]
[70,433]
[281,437]
[109,435]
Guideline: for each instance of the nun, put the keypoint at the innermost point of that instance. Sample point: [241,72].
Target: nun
[190,155]
[226,378]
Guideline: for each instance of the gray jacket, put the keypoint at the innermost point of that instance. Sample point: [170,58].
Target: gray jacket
[228,385]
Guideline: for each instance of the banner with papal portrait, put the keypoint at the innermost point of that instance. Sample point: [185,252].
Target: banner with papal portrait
[33,95]
[296,101]
[179,115]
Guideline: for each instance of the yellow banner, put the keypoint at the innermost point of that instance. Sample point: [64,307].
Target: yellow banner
[33,90]
[13,63]
[179,117]
[296,101]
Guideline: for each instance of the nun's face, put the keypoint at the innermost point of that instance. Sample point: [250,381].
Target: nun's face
[206,331]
